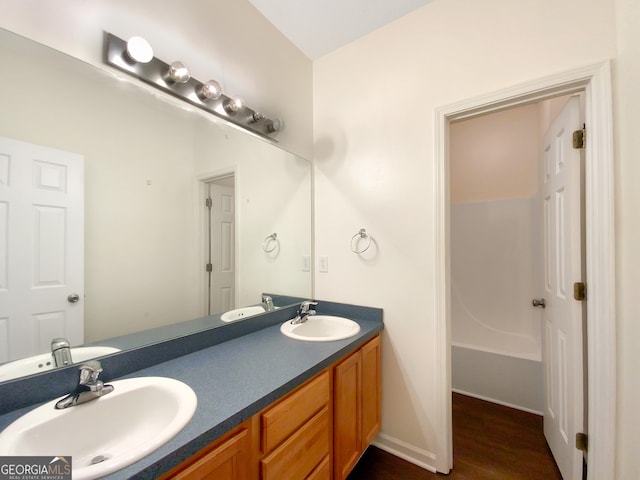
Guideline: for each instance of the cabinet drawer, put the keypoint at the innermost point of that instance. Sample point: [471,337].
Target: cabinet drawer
[280,421]
[322,471]
[297,457]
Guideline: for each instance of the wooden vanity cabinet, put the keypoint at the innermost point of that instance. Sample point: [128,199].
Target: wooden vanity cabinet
[357,406]
[317,432]
[228,458]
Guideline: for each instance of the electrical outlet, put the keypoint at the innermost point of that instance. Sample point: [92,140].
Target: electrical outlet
[324,264]
[306,263]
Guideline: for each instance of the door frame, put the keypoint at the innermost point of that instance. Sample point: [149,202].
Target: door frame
[595,82]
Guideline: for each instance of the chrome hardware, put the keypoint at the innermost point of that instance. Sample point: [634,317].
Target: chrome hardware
[361,235]
[539,303]
[89,387]
[271,243]
[306,309]
[267,303]
[73,298]
[61,352]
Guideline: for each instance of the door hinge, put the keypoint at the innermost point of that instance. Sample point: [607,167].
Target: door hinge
[579,291]
[579,137]
[582,441]
[208,202]
[209,267]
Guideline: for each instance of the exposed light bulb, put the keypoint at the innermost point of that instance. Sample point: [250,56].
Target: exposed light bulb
[209,91]
[234,105]
[139,50]
[178,73]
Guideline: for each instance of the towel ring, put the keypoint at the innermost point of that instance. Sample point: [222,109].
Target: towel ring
[361,234]
[270,243]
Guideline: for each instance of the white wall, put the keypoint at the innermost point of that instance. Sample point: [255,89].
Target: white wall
[374,104]
[495,155]
[225,40]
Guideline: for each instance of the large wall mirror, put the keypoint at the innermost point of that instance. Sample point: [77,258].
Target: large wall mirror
[135,168]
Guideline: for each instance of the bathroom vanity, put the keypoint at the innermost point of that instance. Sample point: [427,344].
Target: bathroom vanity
[265,402]
[322,426]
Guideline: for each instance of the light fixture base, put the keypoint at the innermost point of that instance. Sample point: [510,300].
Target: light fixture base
[154,73]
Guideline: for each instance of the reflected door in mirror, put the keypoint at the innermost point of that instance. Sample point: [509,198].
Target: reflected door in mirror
[221,244]
[41,248]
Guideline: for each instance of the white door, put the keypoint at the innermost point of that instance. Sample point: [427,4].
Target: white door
[562,330]
[222,246]
[41,248]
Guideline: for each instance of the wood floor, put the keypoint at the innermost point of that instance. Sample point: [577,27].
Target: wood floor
[490,442]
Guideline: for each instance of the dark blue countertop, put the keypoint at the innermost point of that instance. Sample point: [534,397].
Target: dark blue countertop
[234,380]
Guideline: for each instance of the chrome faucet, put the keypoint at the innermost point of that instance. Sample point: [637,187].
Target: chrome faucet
[267,303]
[61,352]
[306,309]
[89,387]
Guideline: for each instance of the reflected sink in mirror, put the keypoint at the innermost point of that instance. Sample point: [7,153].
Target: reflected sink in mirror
[321,328]
[44,361]
[241,313]
[106,434]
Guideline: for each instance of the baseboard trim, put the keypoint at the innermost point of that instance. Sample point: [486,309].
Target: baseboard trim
[406,451]
[499,402]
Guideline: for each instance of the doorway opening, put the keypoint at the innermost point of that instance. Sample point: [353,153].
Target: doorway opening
[503,226]
[218,202]
[595,81]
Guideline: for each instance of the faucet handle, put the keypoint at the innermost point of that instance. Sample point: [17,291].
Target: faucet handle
[267,301]
[307,306]
[89,372]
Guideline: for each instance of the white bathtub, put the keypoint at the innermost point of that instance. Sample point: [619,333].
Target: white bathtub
[496,334]
[504,379]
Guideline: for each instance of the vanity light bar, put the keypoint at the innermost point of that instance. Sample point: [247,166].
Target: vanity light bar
[167,78]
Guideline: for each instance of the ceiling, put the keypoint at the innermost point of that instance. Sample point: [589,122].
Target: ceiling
[318,27]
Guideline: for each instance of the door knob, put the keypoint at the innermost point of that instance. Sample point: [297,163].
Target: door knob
[73,298]
[539,302]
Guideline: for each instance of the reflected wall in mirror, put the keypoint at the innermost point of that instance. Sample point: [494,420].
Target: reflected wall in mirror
[149,163]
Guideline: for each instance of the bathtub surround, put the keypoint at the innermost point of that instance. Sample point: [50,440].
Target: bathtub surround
[495,272]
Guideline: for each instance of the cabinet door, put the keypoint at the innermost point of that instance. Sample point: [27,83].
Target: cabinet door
[227,461]
[346,424]
[371,391]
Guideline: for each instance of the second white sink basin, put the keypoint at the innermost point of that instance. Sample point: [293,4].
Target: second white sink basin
[44,361]
[321,328]
[106,434]
[240,313]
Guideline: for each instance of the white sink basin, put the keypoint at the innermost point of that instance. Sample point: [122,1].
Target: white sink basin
[44,361]
[240,313]
[116,430]
[321,328]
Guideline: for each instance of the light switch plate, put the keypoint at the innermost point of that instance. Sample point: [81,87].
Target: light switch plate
[324,264]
